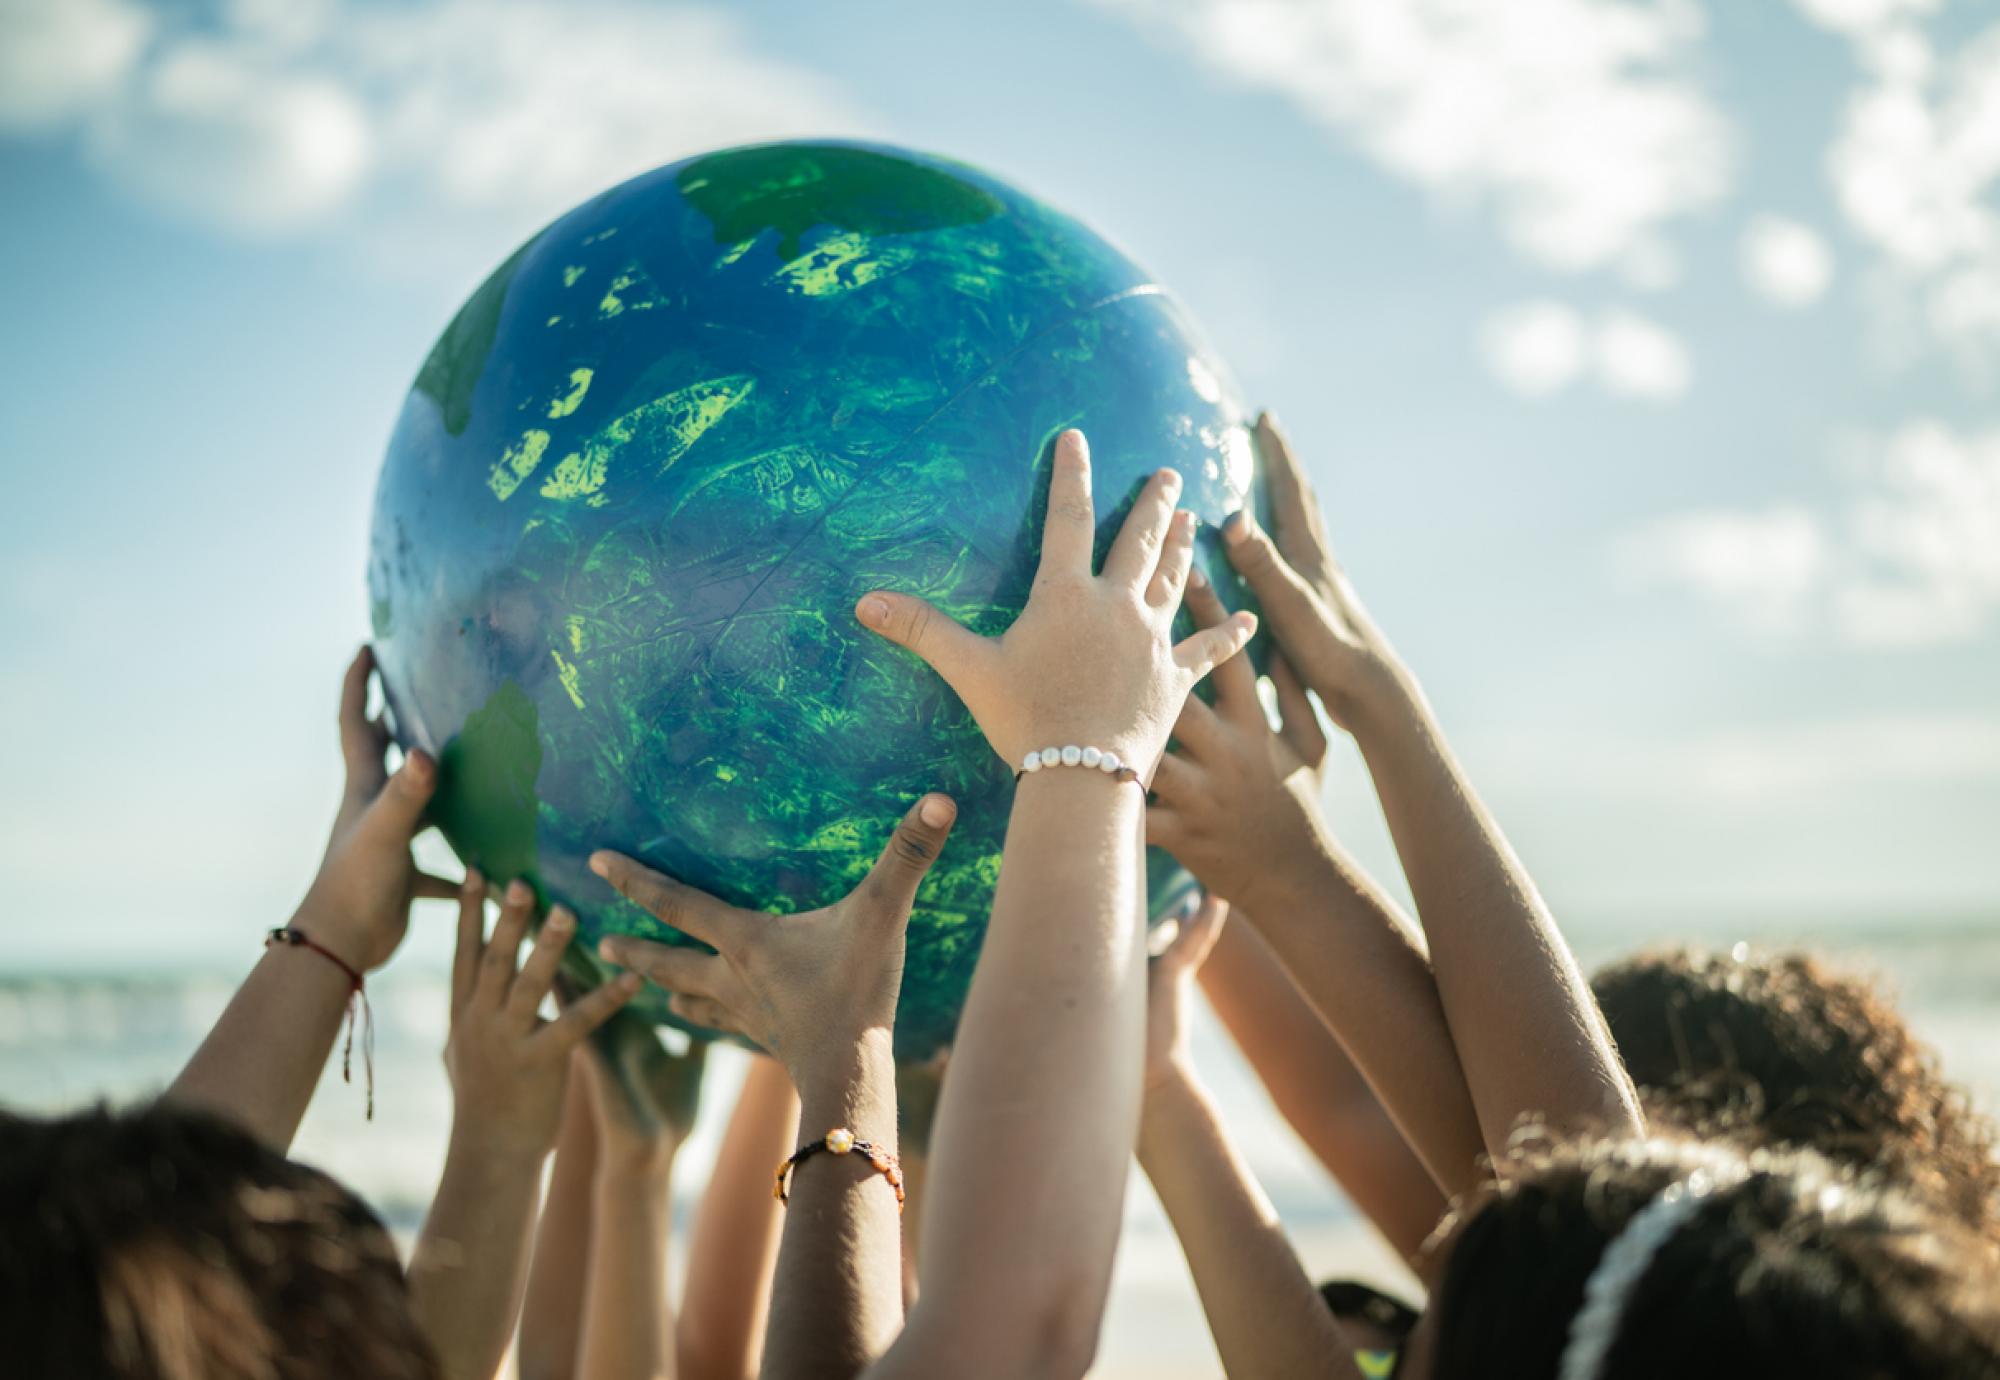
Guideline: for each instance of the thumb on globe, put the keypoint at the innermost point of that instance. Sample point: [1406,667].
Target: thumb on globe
[892,883]
[912,623]
[397,813]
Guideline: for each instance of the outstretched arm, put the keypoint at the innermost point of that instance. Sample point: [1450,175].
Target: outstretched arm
[1263,1310]
[1529,1033]
[508,1068]
[552,1307]
[259,1065]
[1239,806]
[644,1099]
[1034,1127]
[1317,1089]
[734,1247]
[818,991]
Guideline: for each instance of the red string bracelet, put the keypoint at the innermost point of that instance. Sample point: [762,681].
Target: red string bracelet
[841,1141]
[299,939]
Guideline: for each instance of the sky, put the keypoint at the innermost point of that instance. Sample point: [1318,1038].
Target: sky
[1645,356]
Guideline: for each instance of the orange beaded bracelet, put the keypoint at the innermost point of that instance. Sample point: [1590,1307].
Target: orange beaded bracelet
[841,1141]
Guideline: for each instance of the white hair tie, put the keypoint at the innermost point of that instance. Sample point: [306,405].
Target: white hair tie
[1624,1263]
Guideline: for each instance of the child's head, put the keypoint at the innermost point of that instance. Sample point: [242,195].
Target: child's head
[1778,1050]
[1662,1260]
[160,1244]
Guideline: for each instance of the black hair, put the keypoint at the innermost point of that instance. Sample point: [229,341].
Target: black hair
[1791,1267]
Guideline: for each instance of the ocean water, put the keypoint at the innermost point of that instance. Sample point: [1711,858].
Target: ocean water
[69,1039]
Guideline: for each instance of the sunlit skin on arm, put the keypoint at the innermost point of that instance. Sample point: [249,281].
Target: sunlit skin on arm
[552,1309]
[1531,1038]
[1263,1310]
[1034,1129]
[508,1072]
[817,990]
[259,1065]
[1033,1133]
[733,1249]
[643,1099]
[1317,1089]
[1238,805]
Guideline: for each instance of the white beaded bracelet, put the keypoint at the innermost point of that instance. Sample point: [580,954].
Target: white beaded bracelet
[1074,756]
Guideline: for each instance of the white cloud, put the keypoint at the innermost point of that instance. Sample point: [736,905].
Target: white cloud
[1638,358]
[1536,348]
[1915,169]
[61,57]
[1539,348]
[1764,565]
[1580,121]
[1910,558]
[213,134]
[1785,262]
[1862,17]
[494,114]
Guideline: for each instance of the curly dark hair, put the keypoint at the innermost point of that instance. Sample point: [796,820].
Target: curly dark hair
[1781,1050]
[1792,1267]
[164,1244]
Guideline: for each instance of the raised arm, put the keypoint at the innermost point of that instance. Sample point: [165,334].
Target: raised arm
[259,1065]
[1239,806]
[1035,1124]
[733,1249]
[644,1098]
[552,1307]
[1526,1027]
[817,991]
[508,1069]
[1319,1091]
[1263,1310]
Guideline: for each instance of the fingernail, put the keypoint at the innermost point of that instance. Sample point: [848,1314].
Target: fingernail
[873,611]
[519,893]
[607,951]
[1196,578]
[1236,528]
[600,864]
[561,921]
[935,811]
[1172,480]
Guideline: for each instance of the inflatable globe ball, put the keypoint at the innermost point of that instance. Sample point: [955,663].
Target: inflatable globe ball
[647,471]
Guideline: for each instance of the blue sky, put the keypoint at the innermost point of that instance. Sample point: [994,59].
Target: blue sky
[1644,354]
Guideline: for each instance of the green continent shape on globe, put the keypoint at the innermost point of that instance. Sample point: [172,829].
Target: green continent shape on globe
[647,471]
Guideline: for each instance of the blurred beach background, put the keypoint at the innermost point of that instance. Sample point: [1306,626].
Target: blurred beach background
[1644,353]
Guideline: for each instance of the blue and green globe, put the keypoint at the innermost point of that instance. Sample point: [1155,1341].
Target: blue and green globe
[648,469]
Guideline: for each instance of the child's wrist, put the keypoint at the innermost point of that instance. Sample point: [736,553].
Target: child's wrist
[494,1146]
[1388,704]
[1164,1111]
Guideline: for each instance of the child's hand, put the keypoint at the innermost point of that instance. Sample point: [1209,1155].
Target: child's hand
[799,986]
[507,1064]
[643,1095]
[1091,660]
[359,904]
[1237,804]
[1313,610]
[1170,990]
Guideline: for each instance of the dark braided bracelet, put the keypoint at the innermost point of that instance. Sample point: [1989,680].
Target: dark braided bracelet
[841,1141]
